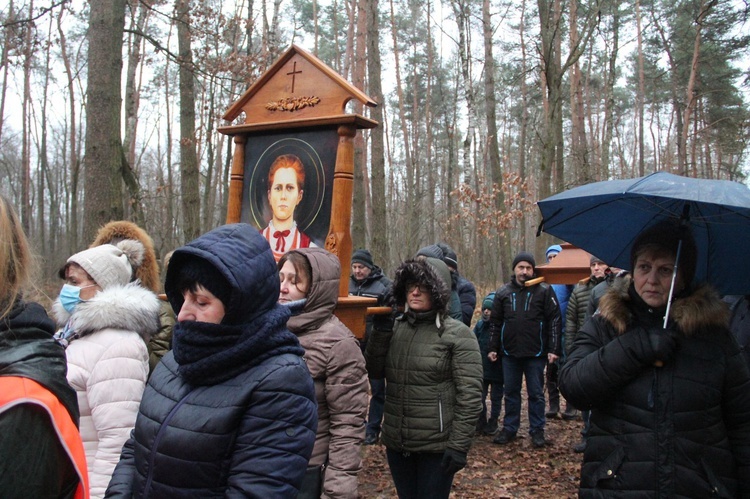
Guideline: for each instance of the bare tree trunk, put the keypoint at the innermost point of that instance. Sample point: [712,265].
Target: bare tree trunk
[578,145]
[4,62]
[411,200]
[430,123]
[73,162]
[690,97]
[103,159]
[493,149]
[25,128]
[641,95]
[379,234]
[189,173]
[359,223]
[609,91]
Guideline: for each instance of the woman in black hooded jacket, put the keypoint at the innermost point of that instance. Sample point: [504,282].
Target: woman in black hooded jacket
[670,408]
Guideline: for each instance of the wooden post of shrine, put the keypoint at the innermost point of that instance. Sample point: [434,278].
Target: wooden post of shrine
[296,109]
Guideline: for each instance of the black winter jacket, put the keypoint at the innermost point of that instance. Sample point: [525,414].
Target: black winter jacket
[680,430]
[375,285]
[467,294]
[525,321]
[33,463]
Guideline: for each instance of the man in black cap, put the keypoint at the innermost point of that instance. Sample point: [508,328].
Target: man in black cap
[367,279]
[525,326]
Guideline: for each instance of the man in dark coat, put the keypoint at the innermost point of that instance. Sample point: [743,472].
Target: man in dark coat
[367,279]
[525,327]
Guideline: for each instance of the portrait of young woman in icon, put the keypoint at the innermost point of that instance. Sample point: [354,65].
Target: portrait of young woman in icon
[286,181]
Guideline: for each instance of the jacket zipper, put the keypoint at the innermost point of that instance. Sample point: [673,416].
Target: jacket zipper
[440,410]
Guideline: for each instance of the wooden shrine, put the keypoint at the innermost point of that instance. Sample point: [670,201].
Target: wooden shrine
[570,266]
[296,113]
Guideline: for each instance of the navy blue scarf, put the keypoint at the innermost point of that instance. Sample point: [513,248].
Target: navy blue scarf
[209,354]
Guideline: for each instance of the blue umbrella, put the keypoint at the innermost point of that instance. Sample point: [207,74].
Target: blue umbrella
[604,218]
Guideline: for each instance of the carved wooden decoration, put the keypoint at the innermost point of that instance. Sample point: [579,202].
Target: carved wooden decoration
[297,108]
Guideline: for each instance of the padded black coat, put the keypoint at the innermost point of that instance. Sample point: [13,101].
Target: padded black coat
[680,430]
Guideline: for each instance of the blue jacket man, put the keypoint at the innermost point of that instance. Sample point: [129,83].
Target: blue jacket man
[525,328]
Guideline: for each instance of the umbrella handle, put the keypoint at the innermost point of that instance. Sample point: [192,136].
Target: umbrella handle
[659,363]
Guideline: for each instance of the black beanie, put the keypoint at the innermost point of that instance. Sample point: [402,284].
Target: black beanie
[431,251]
[524,257]
[364,257]
[195,270]
[449,256]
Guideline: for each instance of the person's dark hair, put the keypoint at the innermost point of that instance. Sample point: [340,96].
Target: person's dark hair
[301,266]
[661,240]
[288,161]
[194,272]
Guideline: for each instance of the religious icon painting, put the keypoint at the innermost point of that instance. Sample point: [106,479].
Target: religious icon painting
[288,187]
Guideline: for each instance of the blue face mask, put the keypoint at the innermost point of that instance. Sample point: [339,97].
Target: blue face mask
[70,296]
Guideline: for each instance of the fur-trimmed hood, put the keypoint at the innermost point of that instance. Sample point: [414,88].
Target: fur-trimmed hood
[700,311]
[148,270]
[431,272]
[131,307]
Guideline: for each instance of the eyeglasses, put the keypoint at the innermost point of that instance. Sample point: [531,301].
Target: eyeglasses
[412,286]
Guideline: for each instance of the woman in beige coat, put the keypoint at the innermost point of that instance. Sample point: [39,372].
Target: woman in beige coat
[309,285]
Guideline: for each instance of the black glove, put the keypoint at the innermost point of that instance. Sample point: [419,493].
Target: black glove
[453,461]
[663,343]
[649,345]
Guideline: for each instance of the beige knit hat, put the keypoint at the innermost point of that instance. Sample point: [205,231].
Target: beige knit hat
[109,265]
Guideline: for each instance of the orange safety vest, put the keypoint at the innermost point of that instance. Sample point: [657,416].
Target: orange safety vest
[17,390]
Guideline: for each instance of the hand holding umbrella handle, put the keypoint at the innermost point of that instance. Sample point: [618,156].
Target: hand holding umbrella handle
[663,344]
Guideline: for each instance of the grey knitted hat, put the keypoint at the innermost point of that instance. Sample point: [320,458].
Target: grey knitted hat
[109,265]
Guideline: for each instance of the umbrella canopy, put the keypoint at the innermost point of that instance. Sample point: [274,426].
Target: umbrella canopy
[604,218]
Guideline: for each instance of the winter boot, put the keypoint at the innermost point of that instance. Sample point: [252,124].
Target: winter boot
[570,413]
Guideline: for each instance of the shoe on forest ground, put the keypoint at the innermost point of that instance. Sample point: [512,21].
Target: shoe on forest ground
[537,439]
[570,414]
[490,428]
[504,437]
[553,411]
[371,439]
[580,446]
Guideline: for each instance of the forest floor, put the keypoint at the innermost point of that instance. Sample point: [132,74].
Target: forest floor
[515,470]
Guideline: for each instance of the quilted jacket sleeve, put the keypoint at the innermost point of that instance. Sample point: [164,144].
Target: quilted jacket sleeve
[571,320]
[466,364]
[737,416]
[121,484]
[276,435]
[161,341]
[114,392]
[376,352]
[346,395]
[600,362]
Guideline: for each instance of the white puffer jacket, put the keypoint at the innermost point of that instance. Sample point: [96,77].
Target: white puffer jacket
[108,368]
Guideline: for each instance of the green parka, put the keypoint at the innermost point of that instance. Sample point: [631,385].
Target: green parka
[432,366]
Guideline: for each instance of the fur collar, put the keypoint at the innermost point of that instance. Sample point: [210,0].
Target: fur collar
[701,310]
[130,307]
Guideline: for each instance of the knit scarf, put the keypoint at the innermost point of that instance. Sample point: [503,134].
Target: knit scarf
[209,354]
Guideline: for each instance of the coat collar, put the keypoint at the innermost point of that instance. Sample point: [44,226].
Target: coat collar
[700,310]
